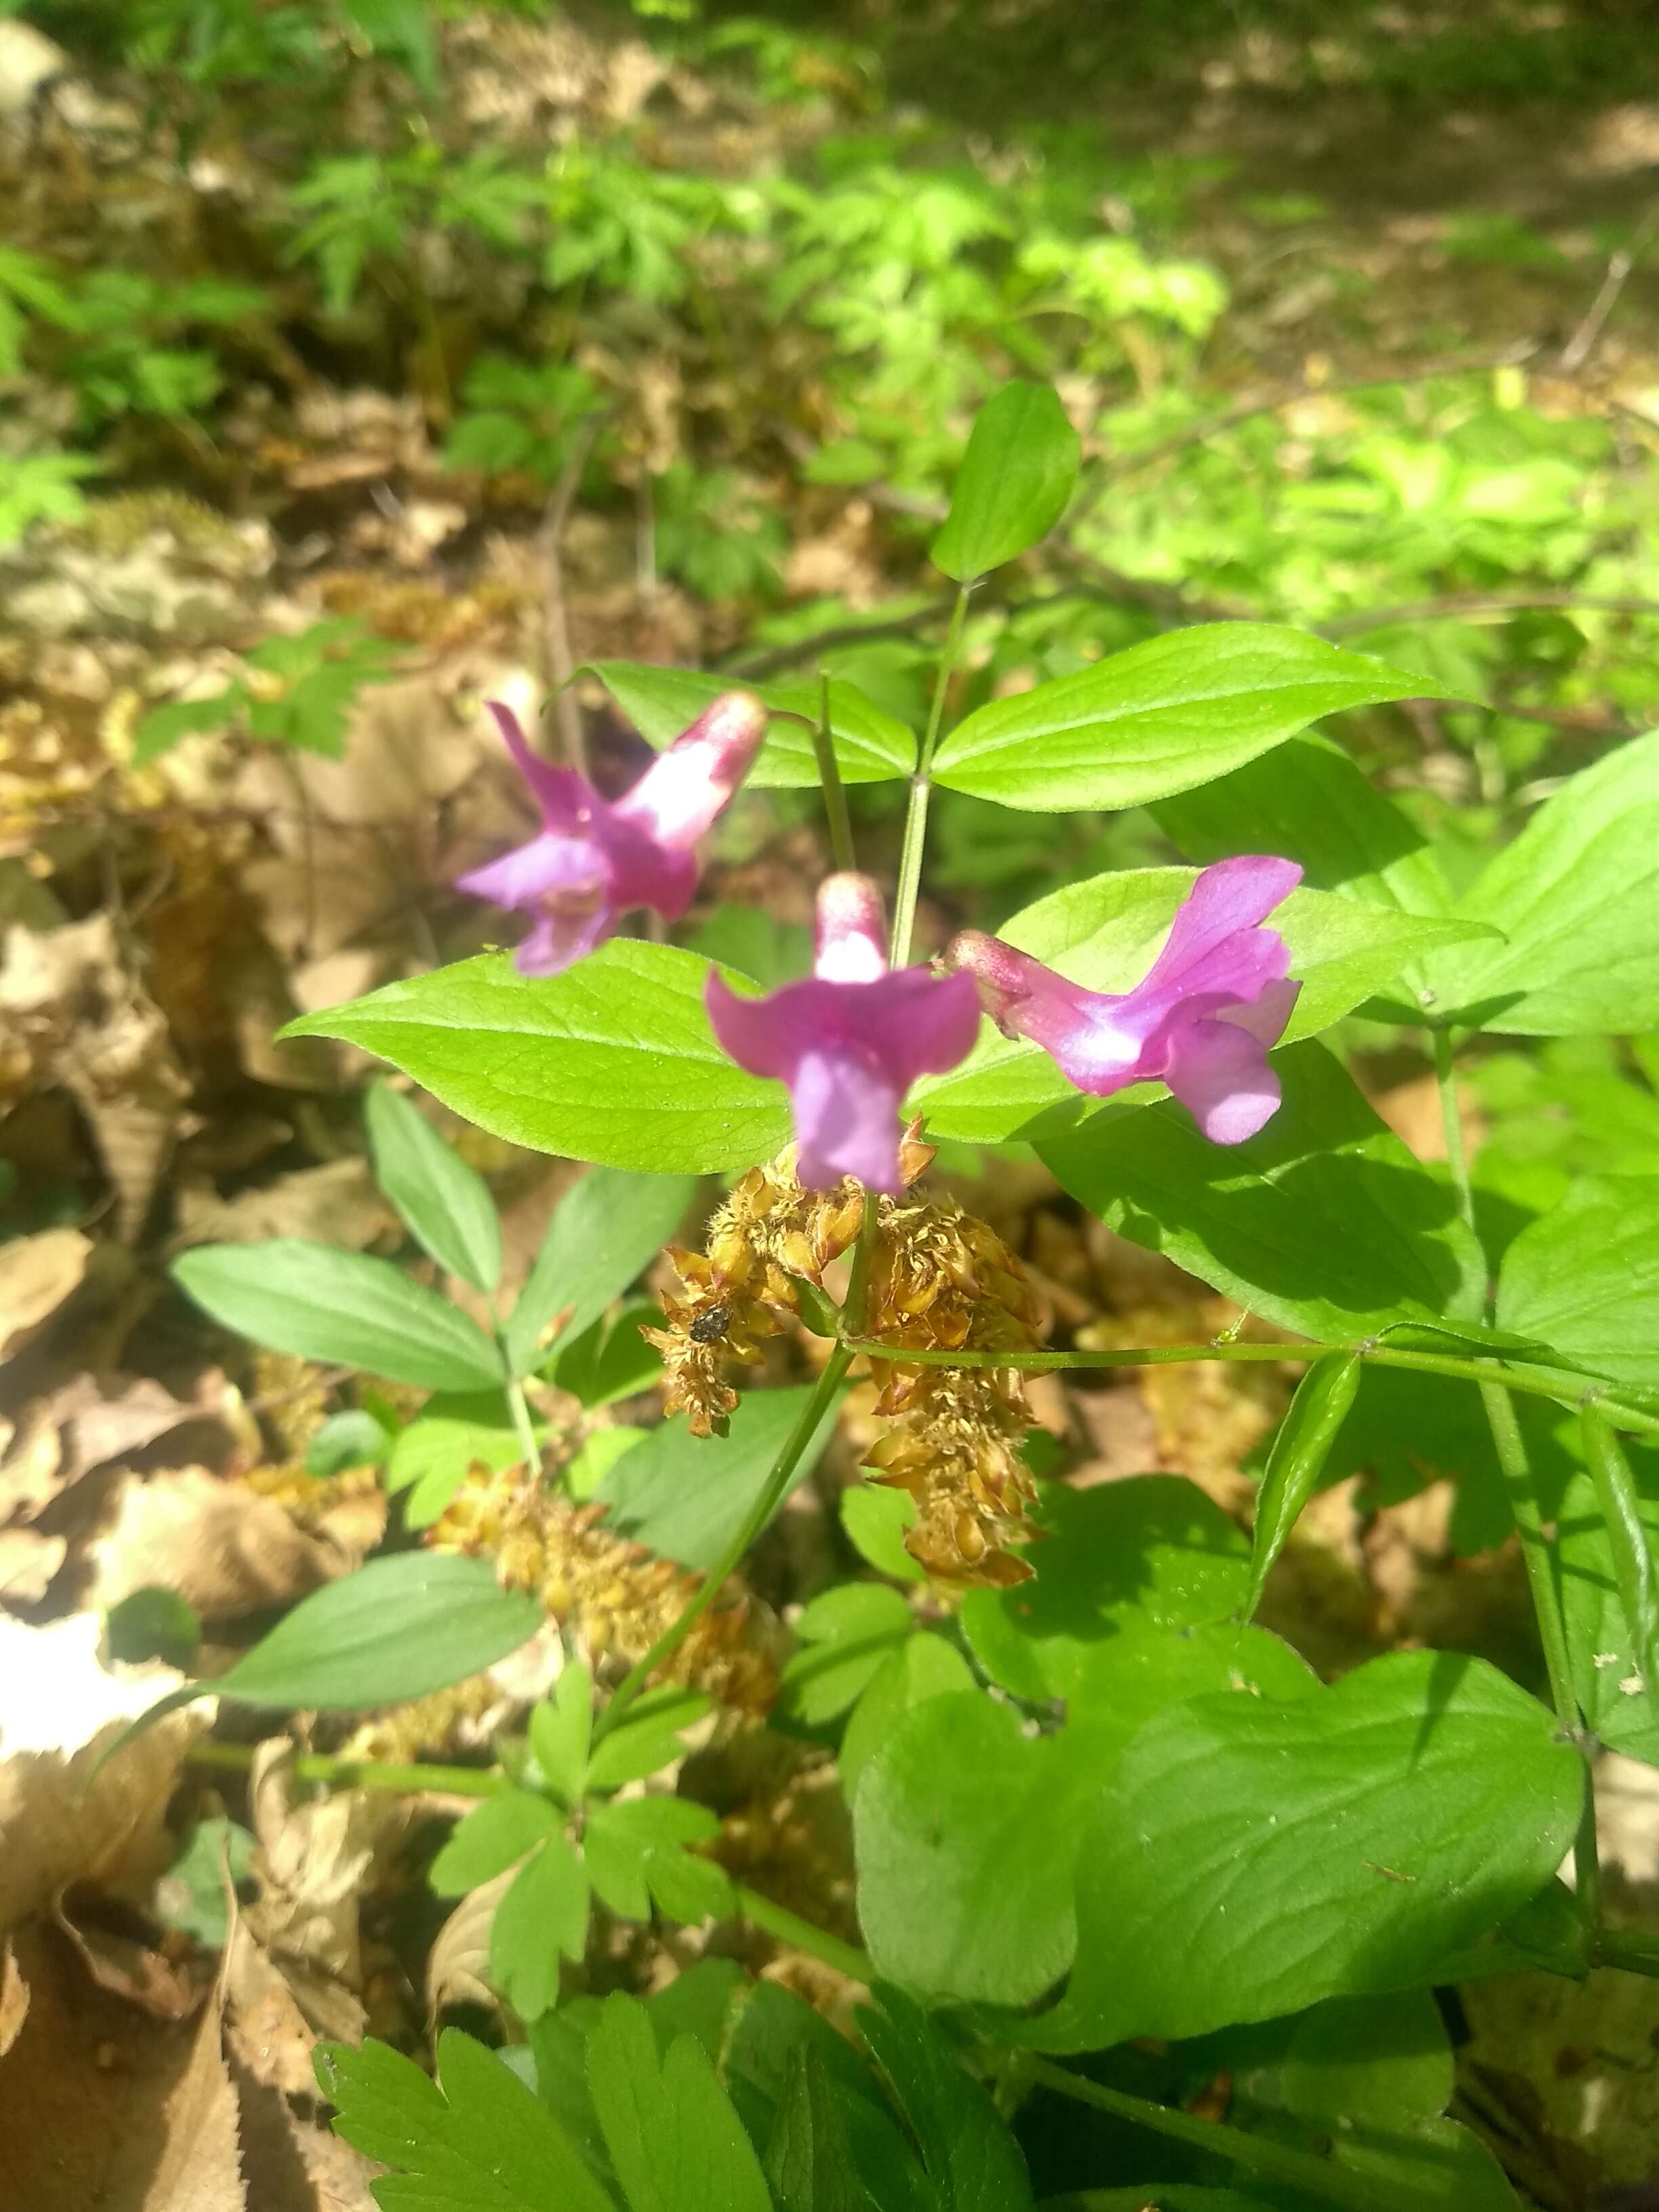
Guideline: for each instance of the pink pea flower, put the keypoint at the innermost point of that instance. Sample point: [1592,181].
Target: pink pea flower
[850,1039]
[1201,1019]
[595,857]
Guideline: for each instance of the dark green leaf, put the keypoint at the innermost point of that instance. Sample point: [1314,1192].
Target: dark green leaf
[1359,1834]
[541,1919]
[353,1438]
[603,1233]
[870,746]
[613,1061]
[809,2157]
[1584,1278]
[443,1201]
[972,2160]
[339,1307]
[610,1359]
[674,2140]
[394,1629]
[493,1835]
[474,2141]
[1152,1552]
[1160,717]
[154,1623]
[191,1893]
[1324,1222]
[1634,1571]
[1016,477]
[1297,1460]
[685,1496]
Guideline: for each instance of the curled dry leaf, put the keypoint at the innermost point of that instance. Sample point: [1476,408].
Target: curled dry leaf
[59,1707]
[335,1204]
[13,1999]
[86,1023]
[37,1276]
[214,1541]
[457,1966]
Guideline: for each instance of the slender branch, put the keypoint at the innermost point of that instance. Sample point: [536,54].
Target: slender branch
[1482,603]
[834,795]
[755,665]
[765,1505]
[801,1936]
[1582,342]
[1275,2161]
[358,1773]
[1631,1953]
[908,888]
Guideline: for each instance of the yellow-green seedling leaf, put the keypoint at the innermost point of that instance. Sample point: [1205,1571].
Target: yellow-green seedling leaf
[1016,478]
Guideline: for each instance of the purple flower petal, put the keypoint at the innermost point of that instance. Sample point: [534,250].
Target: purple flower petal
[565,798]
[547,867]
[559,940]
[675,802]
[1220,1074]
[847,1120]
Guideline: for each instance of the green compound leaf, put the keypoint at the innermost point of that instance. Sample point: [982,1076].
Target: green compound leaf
[1160,717]
[636,1852]
[1324,1222]
[847,1635]
[396,1629]
[1105,934]
[870,746]
[613,1061]
[1014,480]
[972,2159]
[603,1235]
[1358,1835]
[493,1835]
[1584,1278]
[674,2139]
[323,1304]
[431,1456]
[443,1201]
[476,2140]
[1576,898]
[541,1919]
[561,1731]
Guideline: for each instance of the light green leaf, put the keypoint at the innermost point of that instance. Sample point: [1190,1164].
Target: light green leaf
[332,1306]
[675,2141]
[1105,934]
[612,1062]
[561,1731]
[1324,1222]
[604,1232]
[648,1740]
[1160,717]
[636,1849]
[1016,477]
[1359,1834]
[541,1919]
[352,1438]
[847,1635]
[476,2140]
[1576,898]
[493,1835]
[870,746]
[1617,1687]
[610,1359]
[876,1517]
[1584,1278]
[443,1201]
[191,1894]
[431,1457]
[395,1629]
[685,1496]
[924,1666]
[164,727]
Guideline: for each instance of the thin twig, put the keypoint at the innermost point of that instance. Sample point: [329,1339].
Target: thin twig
[1483,602]
[1583,341]
[555,627]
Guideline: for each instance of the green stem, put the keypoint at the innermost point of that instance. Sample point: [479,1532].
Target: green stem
[755,1520]
[359,1773]
[801,1936]
[834,795]
[1528,1382]
[1632,1954]
[517,1405]
[1529,1517]
[1255,2154]
[915,819]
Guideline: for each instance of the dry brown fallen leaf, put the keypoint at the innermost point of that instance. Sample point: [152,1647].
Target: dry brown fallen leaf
[13,1999]
[59,1707]
[87,1023]
[335,1204]
[212,1538]
[37,1276]
[201,2167]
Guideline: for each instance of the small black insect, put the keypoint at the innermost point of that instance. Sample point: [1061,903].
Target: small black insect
[709,1328]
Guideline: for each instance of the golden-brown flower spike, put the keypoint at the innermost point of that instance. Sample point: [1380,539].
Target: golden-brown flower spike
[612,1596]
